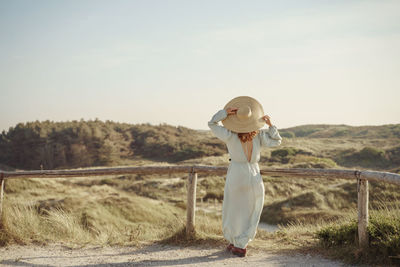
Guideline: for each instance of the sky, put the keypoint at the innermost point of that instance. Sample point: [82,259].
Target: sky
[180,61]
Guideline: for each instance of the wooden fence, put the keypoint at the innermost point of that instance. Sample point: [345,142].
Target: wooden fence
[362,178]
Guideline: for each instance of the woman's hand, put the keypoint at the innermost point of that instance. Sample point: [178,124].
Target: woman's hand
[267,120]
[231,111]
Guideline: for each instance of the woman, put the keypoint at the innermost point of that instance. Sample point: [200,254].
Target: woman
[243,118]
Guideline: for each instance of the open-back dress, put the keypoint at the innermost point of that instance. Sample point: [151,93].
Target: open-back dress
[244,188]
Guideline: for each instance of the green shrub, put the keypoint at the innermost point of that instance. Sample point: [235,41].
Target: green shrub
[384,237]
[306,161]
[287,134]
[337,235]
[341,133]
[371,153]
[384,233]
[284,152]
[300,158]
[368,157]
[394,155]
[306,132]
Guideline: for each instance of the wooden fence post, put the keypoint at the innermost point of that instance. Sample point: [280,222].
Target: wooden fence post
[1,193]
[362,203]
[191,203]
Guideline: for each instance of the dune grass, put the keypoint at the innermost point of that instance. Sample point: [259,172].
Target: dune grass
[131,210]
[64,211]
[341,238]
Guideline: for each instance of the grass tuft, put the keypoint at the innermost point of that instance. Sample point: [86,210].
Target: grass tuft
[208,231]
[384,238]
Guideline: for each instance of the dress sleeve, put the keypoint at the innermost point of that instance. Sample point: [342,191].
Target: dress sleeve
[270,137]
[221,132]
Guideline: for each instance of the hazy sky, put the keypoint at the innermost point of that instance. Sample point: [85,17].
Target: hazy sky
[178,62]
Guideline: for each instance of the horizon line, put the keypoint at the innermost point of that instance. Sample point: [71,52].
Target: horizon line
[197,129]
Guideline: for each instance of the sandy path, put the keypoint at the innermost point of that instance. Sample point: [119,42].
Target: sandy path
[153,255]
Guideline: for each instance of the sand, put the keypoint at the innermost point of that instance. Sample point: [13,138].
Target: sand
[150,255]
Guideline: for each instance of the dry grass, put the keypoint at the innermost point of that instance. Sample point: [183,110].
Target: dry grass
[130,209]
[65,211]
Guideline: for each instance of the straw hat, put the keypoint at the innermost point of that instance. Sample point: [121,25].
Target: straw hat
[248,117]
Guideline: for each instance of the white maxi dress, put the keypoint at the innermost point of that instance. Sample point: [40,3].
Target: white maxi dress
[244,188]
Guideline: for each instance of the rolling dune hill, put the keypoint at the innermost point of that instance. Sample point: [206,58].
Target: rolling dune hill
[96,143]
[135,209]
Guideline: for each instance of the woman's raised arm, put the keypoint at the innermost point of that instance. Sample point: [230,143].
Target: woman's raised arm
[270,137]
[221,132]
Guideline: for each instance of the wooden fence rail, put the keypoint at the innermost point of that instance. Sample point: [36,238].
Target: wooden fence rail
[362,178]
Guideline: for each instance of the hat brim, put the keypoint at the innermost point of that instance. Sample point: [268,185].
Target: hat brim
[253,123]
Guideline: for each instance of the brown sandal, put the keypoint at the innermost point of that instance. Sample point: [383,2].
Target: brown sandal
[241,252]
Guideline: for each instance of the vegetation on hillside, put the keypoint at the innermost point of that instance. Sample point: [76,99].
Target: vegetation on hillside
[299,158]
[95,143]
[339,131]
[384,238]
[369,157]
[131,209]
[82,143]
[290,200]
